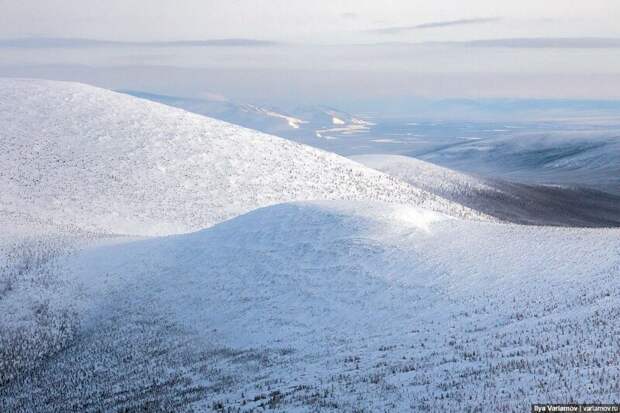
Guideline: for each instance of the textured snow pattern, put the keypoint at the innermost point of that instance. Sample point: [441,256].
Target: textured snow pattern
[339,306]
[120,164]
[374,300]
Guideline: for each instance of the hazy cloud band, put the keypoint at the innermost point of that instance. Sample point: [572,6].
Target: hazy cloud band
[437,24]
[548,42]
[66,43]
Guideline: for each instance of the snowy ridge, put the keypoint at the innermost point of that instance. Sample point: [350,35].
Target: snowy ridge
[291,121]
[508,201]
[109,162]
[333,306]
[424,174]
[587,157]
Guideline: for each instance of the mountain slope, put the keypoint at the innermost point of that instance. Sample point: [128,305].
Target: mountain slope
[508,201]
[109,162]
[588,157]
[339,306]
[301,124]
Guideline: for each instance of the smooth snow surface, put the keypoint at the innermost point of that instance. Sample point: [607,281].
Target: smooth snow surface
[112,163]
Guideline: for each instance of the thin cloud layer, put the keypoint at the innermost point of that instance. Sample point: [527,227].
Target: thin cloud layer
[437,24]
[67,43]
[349,15]
[548,42]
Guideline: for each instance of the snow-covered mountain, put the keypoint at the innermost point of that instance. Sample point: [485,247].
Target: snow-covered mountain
[269,120]
[575,151]
[367,294]
[337,307]
[108,162]
[505,200]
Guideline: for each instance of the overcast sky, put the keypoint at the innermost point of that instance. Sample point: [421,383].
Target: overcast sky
[332,50]
[309,21]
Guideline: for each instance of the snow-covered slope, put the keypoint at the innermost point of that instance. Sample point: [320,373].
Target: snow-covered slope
[508,201]
[588,157]
[424,174]
[109,162]
[377,301]
[301,124]
[339,307]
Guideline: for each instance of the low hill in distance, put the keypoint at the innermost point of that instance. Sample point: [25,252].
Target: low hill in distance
[507,201]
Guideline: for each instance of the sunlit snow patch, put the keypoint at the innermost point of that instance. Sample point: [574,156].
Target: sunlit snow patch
[415,217]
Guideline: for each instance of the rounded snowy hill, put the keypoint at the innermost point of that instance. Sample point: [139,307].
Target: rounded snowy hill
[107,162]
[337,306]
